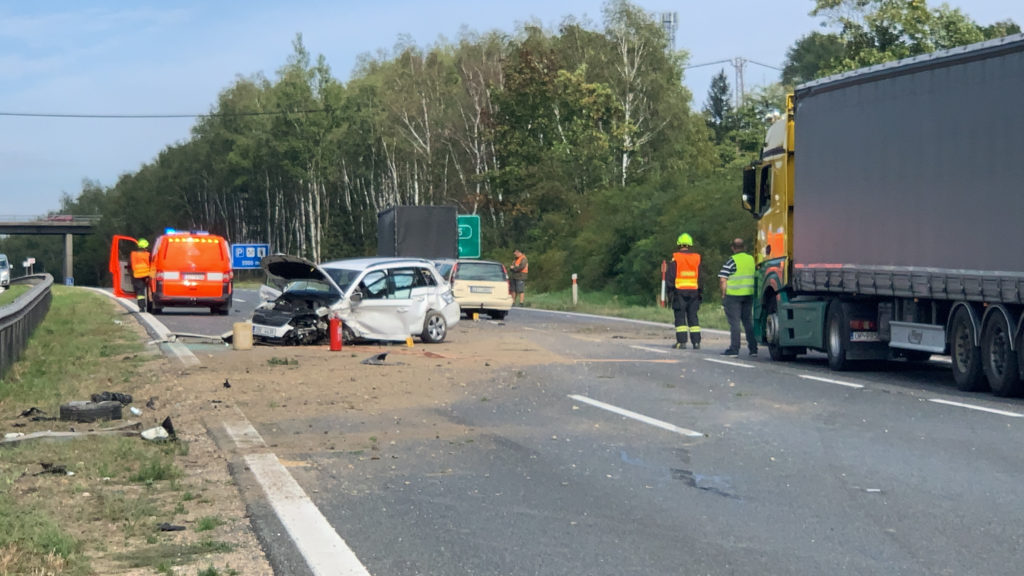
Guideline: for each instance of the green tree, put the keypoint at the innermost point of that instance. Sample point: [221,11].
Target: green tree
[810,56]
[718,110]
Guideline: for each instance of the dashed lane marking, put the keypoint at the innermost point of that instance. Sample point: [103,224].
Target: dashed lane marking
[831,381]
[979,408]
[636,416]
[729,363]
[649,349]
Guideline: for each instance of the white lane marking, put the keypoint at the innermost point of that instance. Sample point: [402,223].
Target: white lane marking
[973,407]
[650,349]
[831,381]
[739,364]
[325,552]
[635,416]
[244,435]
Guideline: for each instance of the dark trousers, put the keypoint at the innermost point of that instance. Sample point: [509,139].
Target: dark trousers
[685,306]
[739,310]
[139,285]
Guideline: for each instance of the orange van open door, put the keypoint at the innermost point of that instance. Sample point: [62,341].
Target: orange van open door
[120,265]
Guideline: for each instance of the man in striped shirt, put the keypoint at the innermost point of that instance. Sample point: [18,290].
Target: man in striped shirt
[736,279]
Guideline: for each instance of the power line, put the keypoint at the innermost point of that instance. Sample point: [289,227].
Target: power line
[158,116]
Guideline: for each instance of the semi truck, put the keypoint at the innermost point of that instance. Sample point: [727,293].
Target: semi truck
[890,216]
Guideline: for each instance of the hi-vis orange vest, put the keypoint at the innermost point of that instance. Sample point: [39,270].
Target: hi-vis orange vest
[519,262]
[140,263]
[687,268]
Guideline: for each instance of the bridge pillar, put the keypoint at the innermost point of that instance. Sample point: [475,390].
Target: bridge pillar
[69,270]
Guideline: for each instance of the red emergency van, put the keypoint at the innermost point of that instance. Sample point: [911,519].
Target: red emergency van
[188,269]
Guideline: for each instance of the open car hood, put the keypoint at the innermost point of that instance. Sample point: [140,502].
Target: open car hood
[282,269]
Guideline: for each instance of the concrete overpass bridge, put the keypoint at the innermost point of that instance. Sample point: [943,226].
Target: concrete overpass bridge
[67,225]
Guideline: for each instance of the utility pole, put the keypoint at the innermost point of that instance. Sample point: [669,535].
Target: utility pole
[738,63]
[669,23]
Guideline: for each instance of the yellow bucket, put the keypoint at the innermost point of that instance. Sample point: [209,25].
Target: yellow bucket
[242,336]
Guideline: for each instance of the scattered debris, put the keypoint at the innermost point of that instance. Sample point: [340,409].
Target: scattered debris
[376,359]
[124,399]
[13,435]
[51,468]
[83,411]
[157,434]
[127,428]
[167,527]
[226,383]
[36,415]
[135,411]
[151,403]
[167,425]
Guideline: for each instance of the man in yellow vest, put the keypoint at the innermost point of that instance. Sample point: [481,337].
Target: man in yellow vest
[685,291]
[736,280]
[140,261]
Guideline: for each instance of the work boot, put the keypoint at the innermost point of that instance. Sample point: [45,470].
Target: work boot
[696,345]
[731,352]
[680,346]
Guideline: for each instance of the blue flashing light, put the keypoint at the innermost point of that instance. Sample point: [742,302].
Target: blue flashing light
[169,231]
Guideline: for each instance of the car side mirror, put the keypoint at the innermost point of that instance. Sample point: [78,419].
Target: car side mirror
[355,297]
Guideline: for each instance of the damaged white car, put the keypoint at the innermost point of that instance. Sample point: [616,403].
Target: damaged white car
[387,299]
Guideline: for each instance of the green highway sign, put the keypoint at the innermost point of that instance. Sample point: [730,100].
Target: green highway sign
[469,235]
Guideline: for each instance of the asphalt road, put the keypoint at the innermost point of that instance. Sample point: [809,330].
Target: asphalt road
[639,459]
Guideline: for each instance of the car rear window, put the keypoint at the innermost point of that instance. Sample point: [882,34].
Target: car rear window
[482,271]
[183,252]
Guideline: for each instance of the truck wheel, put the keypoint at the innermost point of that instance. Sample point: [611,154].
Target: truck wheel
[838,337]
[434,328]
[966,357]
[998,360]
[771,334]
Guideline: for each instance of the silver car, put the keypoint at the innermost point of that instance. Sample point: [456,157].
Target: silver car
[388,299]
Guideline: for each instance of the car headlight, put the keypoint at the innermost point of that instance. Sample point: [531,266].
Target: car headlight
[448,297]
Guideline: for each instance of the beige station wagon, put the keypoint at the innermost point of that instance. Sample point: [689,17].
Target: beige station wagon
[478,285]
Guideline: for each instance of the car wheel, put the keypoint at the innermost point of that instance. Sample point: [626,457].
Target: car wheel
[434,328]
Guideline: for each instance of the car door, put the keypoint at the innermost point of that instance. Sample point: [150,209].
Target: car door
[378,314]
[120,266]
[414,285]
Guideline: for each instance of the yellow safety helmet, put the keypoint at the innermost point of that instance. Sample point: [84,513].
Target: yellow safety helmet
[684,240]
[143,243]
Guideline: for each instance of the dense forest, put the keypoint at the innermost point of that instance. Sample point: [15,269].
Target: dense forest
[581,146]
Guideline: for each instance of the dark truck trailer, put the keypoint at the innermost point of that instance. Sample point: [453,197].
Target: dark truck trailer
[890,202]
[429,232]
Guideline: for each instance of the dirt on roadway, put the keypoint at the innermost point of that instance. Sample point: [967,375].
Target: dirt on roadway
[271,384]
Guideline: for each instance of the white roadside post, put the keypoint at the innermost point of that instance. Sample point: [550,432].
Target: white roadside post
[574,290]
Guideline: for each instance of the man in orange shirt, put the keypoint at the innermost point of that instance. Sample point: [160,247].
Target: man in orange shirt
[140,261]
[517,273]
[685,291]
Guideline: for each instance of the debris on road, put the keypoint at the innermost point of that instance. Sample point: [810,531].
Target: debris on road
[127,428]
[84,411]
[51,468]
[168,527]
[36,415]
[156,434]
[124,399]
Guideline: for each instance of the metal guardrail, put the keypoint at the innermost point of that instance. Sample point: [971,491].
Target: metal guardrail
[20,318]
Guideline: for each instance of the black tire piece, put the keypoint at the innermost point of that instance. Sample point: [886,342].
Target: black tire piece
[837,337]
[82,411]
[435,328]
[965,356]
[998,360]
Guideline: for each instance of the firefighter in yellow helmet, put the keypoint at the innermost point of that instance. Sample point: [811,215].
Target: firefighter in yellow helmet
[685,291]
[140,260]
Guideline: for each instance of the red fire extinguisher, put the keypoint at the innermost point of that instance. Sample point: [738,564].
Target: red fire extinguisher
[336,340]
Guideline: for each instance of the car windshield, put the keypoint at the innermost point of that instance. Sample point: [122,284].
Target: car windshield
[483,271]
[343,277]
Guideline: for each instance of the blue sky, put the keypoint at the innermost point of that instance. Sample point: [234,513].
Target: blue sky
[114,57]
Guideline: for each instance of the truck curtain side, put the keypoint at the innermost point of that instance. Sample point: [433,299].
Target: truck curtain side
[889,202]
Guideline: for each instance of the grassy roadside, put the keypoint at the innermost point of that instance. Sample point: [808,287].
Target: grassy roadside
[604,304]
[101,515]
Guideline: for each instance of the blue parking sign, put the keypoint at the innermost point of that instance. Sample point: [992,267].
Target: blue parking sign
[248,255]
